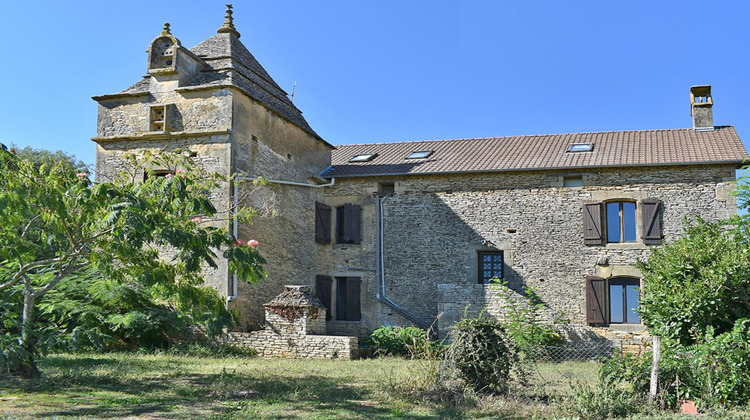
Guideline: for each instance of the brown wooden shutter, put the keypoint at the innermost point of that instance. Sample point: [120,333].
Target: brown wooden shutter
[596,300]
[592,223]
[353,306]
[323,292]
[322,223]
[651,231]
[352,224]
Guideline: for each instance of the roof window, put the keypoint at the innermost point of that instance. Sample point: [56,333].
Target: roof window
[580,147]
[420,155]
[365,157]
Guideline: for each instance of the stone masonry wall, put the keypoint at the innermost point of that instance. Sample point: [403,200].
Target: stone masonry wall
[434,226]
[269,344]
[268,146]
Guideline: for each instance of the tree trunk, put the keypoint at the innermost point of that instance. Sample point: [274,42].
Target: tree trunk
[27,367]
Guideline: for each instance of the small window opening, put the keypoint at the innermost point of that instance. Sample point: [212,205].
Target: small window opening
[573,181]
[158,118]
[289,156]
[365,157]
[193,153]
[386,188]
[158,173]
[420,155]
[580,147]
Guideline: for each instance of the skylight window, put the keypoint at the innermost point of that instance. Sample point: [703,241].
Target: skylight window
[420,155]
[365,157]
[580,147]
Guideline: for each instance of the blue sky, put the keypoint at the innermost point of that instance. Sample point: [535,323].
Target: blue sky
[395,70]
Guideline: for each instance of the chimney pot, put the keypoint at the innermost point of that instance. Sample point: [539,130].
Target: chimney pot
[701,108]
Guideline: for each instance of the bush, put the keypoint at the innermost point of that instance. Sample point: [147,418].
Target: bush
[716,374]
[523,320]
[481,355]
[698,281]
[399,341]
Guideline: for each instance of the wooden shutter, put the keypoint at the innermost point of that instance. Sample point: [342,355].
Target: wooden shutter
[651,231]
[353,306]
[596,300]
[322,223]
[323,292]
[592,223]
[352,224]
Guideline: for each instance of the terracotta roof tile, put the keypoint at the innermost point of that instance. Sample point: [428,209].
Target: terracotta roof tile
[497,154]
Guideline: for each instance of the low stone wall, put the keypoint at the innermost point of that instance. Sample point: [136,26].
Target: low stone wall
[631,341]
[269,344]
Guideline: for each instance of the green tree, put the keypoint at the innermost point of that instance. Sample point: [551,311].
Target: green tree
[699,281]
[57,226]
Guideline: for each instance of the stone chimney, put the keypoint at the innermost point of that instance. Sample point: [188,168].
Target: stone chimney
[702,108]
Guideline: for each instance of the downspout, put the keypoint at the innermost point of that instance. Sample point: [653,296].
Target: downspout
[381,296]
[236,202]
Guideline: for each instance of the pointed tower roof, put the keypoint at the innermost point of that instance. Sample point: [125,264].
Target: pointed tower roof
[230,64]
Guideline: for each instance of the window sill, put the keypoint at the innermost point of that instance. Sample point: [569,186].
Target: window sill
[627,327]
[625,245]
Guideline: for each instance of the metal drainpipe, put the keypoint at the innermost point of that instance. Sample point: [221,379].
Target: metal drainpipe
[381,256]
[236,200]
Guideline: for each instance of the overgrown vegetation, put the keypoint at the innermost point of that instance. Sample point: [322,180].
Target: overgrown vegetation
[481,356]
[523,318]
[697,282]
[82,264]
[404,341]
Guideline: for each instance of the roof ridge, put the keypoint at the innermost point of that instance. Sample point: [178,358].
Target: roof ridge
[525,136]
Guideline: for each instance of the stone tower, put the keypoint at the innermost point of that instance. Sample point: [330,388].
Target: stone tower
[218,102]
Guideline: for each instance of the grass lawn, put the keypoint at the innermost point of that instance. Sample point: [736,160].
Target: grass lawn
[134,386]
[164,386]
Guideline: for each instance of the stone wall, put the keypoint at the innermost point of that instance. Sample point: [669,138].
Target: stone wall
[268,344]
[435,225]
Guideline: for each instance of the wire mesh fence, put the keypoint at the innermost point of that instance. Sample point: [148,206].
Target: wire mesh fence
[553,369]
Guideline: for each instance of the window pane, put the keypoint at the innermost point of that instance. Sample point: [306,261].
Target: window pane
[632,302]
[613,222]
[628,220]
[486,257]
[615,303]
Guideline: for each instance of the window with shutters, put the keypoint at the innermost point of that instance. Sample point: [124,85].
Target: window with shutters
[616,222]
[612,301]
[490,266]
[322,223]
[349,224]
[348,307]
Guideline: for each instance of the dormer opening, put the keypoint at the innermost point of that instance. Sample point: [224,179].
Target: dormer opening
[162,53]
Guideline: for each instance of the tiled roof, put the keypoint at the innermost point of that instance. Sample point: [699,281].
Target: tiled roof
[498,154]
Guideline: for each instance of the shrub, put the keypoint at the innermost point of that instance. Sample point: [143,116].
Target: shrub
[481,355]
[523,320]
[698,281]
[400,341]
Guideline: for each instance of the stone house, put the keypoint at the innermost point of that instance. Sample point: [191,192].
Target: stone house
[410,233]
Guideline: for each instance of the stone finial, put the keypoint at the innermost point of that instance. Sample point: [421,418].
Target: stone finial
[228,26]
[166,31]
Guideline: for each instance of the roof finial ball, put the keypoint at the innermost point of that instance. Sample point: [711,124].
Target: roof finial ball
[165,31]
[228,26]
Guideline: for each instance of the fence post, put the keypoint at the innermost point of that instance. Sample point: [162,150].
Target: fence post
[656,347]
